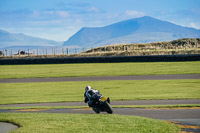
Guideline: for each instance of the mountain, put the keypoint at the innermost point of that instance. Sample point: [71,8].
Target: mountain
[139,30]
[20,40]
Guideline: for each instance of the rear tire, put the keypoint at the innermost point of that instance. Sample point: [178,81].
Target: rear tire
[96,110]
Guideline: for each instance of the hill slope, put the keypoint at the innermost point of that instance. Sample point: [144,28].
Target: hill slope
[140,30]
[175,47]
[14,40]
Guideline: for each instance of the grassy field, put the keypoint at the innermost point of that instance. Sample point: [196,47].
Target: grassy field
[98,69]
[86,123]
[116,90]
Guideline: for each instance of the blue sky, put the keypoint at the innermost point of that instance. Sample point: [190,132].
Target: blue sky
[60,19]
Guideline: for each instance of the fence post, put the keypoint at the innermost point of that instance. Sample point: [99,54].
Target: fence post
[67,51]
[37,51]
[75,50]
[6,52]
[54,51]
[11,52]
[63,51]
[46,51]
[28,52]
[3,52]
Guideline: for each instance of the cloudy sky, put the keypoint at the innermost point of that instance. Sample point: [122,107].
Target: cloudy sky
[60,19]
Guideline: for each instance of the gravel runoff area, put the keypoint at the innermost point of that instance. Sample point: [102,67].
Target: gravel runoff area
[7,127]
[103,78]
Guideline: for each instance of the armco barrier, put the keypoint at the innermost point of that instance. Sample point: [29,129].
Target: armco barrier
[111,59]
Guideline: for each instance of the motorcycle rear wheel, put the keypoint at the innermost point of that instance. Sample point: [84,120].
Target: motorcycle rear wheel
[96,110]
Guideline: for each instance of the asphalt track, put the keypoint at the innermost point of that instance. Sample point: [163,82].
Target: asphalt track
[184,116]
[103,78]
[164,114]
[134,102]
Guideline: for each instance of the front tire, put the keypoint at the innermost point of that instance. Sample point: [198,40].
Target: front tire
[109,109]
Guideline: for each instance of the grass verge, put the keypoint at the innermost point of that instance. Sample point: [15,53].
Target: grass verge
[86,123]
[46,107]
[11,93]
[179,106]
[98,69]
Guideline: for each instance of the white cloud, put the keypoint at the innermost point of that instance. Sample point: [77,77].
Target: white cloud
[194,25]
[93,9]
[133,13]
[63,14]
[53,14]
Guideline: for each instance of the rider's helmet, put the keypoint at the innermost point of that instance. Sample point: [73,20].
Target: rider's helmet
[87,88]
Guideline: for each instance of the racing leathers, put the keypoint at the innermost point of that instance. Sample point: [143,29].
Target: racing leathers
[90,96]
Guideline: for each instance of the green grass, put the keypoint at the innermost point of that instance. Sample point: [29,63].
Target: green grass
[46,107]
[98,69]
[158,106]
[86,123]
[116,90]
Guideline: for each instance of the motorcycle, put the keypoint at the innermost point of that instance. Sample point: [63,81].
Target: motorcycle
[102,104]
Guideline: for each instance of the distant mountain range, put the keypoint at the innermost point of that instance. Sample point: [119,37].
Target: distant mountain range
[10,40]
[140,30]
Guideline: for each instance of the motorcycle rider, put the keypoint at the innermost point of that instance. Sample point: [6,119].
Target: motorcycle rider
[90,95]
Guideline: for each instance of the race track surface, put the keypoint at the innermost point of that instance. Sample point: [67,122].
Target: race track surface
[134,102]
[184,116]
[103,78]
[192,115]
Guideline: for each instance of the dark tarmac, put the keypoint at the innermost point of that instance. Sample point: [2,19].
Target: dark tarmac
[184,116]
[104,78]
[163,114]
[133,102]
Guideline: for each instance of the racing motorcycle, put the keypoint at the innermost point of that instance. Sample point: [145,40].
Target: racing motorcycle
[102,104]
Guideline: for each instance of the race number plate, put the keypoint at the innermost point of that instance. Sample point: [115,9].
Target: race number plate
[103,99]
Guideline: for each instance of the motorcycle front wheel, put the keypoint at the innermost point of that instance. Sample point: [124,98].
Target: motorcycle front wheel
[108,108]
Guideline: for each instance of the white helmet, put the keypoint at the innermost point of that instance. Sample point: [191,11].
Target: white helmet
[87,88]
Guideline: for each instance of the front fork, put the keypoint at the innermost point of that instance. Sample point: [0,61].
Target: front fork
[108,100]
